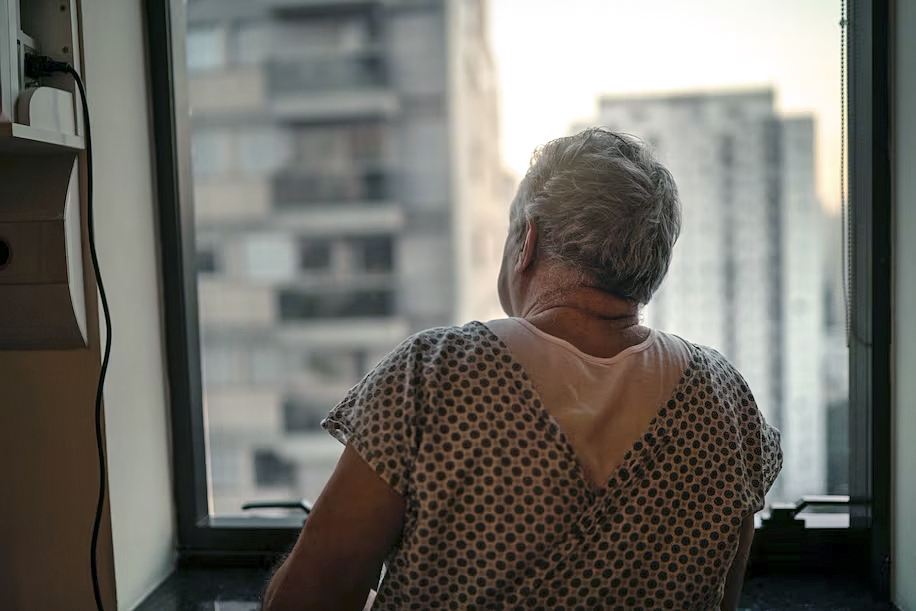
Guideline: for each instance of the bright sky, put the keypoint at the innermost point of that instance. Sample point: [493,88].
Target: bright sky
[555,57]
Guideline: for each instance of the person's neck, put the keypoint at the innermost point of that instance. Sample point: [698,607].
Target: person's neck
[596,322]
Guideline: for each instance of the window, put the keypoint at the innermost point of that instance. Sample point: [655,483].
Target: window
[263,151]
[207,260]
[353,187]
[373,254]
[272,470]
[206,48]
[314,254]
[270,256]
[303,306]
[302,417]
[266,366]
[358,176]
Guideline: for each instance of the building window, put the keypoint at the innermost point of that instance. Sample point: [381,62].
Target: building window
[302,417]
[314,254]
[207,260]
[335,366]
[307,305]
[272,470]
[373,254]
[294,189]
[263,151]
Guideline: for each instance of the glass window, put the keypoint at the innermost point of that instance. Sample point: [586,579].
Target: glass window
[220,366]
[373,254]
[314,254]
[211,153]
[353,192]
[305,305]
[207,260]
[252,44]
[302,417]
[263,151]
[337,366]
[225,471]
[206,47]
[270,256]
[266,366]
[272,470]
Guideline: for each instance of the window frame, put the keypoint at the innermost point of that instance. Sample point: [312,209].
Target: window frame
[200,536]
[870,288]
[215,540]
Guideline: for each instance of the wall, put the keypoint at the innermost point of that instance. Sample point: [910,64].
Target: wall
[142,517]
[904,332]
[48,464]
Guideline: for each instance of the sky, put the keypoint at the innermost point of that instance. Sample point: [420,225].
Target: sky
[554,58]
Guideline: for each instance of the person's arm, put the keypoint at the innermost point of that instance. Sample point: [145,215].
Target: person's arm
[338,557]
[735,578]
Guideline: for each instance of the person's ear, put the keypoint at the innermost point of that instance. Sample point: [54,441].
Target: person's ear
[527,252]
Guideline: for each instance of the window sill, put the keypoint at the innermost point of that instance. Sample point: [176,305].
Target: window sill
[192,589]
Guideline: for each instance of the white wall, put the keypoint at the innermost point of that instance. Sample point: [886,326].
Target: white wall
[136,415]
[904,332]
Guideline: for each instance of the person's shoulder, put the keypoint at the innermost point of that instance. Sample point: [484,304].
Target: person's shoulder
[709,356]
[716,364]
[452,333]
[473,335]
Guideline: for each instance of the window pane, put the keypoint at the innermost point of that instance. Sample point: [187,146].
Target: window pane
[354,163]
[263,151]
[211,152]
[270,257]
[314,254]
[206,47]
[301,305]
[207,260]
[373,254]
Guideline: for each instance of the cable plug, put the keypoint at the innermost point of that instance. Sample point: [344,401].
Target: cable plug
[41,65]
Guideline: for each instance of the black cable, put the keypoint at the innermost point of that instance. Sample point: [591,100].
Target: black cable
[107,352]
[37,65]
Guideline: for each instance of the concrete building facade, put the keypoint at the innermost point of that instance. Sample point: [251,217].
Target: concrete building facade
[347,178]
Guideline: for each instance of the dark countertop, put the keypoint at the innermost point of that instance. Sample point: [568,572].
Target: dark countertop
[234,589]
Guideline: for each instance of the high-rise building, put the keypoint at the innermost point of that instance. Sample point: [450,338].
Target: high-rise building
[348,192]
[746,277]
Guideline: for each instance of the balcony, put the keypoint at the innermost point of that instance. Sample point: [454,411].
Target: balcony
[323,74]
[308,306]
[205,11]
[330,88]
[294,190]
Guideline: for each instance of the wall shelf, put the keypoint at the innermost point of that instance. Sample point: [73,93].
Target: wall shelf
[19,139]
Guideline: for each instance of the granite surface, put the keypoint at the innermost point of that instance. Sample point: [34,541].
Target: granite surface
[238,590]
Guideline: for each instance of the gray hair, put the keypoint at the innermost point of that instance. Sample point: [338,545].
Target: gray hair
[604,206]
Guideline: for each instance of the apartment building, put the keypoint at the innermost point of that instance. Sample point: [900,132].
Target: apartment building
[348,192]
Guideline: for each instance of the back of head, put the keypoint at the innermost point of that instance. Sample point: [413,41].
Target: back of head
[604,206]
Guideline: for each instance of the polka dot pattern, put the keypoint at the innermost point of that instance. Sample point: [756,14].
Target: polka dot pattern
[500,513]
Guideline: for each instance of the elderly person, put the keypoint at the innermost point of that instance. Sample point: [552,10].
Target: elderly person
[565,457]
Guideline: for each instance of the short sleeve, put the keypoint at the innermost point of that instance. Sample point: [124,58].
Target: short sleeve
[378,417]
[759,455]
[771,455]
[763,454]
